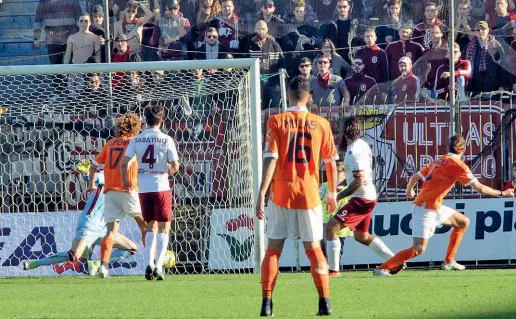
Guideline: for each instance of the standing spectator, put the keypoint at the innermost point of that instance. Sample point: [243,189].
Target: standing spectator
[462,22]
[327,90]
[83,45]
[433,58]
[97,27]
[338,66]
[267,13]
[477,10]
[227,25]
[374,59]
[264,47]
[59,18]
[484,53]
[338,31]
[305,68]
[500,22]
[359,83]
[490,9]
[211,49]
[208,10]
[308,13]
[406,87]
[404,47]
[462,72]
[421,33]
[387,32]
[123,53]
[170,33]
[132,26]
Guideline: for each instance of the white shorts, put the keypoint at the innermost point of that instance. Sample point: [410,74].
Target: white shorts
[304,224]
[424,221]
[117,205]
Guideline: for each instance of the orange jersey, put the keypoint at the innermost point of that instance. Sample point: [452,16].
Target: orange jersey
[439,177]
[298,139]
[111,156]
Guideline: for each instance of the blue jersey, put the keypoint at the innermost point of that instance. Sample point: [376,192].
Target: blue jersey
[92,216]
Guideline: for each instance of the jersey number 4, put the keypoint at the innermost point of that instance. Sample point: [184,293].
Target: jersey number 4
[296,145]
[148,156]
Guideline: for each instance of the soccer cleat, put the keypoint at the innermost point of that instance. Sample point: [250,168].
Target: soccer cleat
[149,273]
[334,274]
[324,307]
[266,308]
[93,267]
[103,272]
[398,268]
[158,274]
[381,272]
[29,265]
[452,266]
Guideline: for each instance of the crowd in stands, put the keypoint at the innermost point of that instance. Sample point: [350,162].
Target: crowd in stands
[353,51]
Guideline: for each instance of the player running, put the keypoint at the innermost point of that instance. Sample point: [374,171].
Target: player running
[357,213]
[90,230]
[157,158]
[428,212]
[121,200]
[295,142]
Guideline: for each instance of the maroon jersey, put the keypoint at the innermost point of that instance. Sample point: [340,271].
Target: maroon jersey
[435,57]
[421,33]
[228,30]
[358,85]
[442,86]
[396,50]
[406,89]
[375,63]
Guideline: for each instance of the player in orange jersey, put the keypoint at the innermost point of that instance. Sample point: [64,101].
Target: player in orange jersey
[119,201]
[428,212]
[296,141]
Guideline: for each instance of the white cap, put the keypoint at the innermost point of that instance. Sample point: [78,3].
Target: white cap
[406,60]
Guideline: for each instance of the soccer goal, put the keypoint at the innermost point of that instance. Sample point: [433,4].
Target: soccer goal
[54,117]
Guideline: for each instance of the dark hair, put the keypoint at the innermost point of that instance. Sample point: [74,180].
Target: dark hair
[351,128]
[304,60]
[212,29]
[391,3]
[332,45]
[299,88]
[153,114]
[457,144]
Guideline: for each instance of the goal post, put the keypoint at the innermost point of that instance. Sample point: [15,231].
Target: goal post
[55,116]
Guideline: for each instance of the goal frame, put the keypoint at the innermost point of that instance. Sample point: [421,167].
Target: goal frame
[255,103]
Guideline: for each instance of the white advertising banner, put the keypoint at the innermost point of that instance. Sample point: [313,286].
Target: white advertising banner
[34,236]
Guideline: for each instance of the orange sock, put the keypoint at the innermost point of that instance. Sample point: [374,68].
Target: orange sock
[270,268]
[399,258]
[453,245]
[319,269]
[106,246]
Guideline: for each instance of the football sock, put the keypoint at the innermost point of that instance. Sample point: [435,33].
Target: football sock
[269,272]
[106,246]
[162,244]
[119,254]
[380,249]
[319,270]
[400,258]
[333,252]
[150,248]
[60,257]
[453,245]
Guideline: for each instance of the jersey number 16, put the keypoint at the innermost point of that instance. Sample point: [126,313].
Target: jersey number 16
[295,145]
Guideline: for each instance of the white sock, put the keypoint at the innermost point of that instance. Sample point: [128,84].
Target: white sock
[380,249]
[162,249]
[333,252]
[150,248]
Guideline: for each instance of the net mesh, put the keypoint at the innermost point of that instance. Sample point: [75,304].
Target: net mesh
[53,122]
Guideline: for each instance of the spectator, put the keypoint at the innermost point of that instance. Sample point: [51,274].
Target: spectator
[462,72]
[170,33]
[123,53]
[404,47]
[490,9]
[462,24]
[338,31]
[433,58]
[211,49]
[83,45]
[359,83]
[338,66]
[374,58]
[264,47]
[421,33]
[307,12]
[267,13]
[500,22]
[59,18]
[326,89]
[97,27]
[208,10]
[387,32]
[227,25]
[484,53]
[477,10]
[406,87]
[305,68]
[132,26]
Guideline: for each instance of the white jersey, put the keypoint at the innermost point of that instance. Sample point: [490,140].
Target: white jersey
[153,150]
[359,158]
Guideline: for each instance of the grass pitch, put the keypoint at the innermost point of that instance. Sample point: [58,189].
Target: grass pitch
[470,294]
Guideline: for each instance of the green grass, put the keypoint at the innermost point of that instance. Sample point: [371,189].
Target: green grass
[470,294]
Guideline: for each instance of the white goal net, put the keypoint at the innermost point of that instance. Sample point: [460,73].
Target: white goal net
[54,117]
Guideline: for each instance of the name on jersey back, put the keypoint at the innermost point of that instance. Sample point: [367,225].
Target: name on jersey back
[301,123]
[150,140]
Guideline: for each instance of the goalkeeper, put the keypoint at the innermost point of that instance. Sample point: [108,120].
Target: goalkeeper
[90,230]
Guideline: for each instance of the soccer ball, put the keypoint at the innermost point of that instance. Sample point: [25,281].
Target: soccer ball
[170,260]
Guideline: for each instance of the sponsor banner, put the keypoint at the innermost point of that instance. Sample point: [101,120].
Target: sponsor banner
[231,239]
[490,236]
[35,236]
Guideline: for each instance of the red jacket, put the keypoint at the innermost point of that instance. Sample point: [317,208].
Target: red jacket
[509,185]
